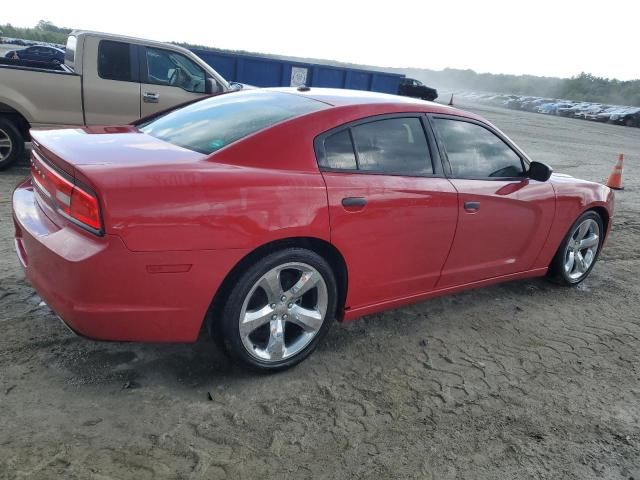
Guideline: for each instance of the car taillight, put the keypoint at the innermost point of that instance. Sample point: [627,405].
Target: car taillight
[70,199]
[84,208]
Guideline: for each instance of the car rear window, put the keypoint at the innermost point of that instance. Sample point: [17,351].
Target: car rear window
[211,124]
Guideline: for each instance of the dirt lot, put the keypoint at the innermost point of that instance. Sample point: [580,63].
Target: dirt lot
[521,380]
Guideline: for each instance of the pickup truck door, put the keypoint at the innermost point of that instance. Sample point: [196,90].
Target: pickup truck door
[168,78]
[110,82]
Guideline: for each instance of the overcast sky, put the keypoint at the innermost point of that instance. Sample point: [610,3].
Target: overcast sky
[541,37]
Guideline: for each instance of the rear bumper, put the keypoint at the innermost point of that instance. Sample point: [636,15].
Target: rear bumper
[104,291]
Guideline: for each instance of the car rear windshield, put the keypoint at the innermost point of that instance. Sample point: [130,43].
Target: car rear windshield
[211,124]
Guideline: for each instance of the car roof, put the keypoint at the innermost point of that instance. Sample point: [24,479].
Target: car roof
[338,97]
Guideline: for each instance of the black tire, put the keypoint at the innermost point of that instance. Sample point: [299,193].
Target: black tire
[557,271]
[630,122]
[229,327]
[16,150]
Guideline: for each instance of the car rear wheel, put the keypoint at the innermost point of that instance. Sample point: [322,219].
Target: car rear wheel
[279,309]
[579,250]
[11,143]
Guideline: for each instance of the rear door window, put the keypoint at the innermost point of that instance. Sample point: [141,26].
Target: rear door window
[339,151]
[394,145]
[114,61]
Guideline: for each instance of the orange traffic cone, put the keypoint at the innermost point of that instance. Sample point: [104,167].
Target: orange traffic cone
[451,101]
[615,179]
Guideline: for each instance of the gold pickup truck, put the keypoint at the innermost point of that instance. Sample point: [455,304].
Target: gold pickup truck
[105,79]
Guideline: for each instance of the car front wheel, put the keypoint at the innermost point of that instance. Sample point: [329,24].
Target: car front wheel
[279,309]
[579,250]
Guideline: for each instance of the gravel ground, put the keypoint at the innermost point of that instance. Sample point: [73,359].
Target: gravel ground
[520,380]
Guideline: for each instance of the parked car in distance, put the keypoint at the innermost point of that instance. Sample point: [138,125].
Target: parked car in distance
[549,108]
[565,109]
[629,117]
[38,53]
[605,115]
[410,87]
[105,79]
[200,215]
[590,112]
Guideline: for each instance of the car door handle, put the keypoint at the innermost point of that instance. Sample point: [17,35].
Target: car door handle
[472,206]
[150,97]
[354,202]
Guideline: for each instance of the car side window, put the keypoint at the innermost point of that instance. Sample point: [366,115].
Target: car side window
[339,151]
[476,152]
[114,61]
[169,68]
[394,145]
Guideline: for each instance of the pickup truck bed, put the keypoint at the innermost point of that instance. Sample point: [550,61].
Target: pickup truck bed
[31,64]
[54,92]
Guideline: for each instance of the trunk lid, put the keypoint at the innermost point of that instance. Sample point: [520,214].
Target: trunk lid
[99,159]
[115,146]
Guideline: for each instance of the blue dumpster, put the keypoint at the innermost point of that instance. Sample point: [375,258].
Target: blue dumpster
[269,72]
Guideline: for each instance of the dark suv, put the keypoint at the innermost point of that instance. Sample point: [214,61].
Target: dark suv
[410,87]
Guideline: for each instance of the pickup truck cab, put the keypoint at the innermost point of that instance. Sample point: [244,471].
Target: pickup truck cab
[105,79]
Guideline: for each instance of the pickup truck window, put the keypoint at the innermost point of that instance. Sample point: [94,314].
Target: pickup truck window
[173,69]
[210,124]
[114,61]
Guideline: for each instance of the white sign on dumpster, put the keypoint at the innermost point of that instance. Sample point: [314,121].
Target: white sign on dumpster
[299,76]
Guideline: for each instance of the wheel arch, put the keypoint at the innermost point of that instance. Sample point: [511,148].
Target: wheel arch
[323,248]
[604,214]
[18,119]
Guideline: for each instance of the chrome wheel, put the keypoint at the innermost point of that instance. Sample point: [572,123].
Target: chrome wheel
[6,145]
[284,310]
[581,249]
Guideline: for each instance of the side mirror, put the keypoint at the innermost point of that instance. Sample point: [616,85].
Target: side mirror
[236,85]
[211,86]
[539,171]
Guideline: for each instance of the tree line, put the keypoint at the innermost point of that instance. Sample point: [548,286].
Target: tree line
[584,86]
[43,32]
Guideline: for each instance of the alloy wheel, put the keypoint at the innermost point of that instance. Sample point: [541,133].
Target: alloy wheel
[283,312]
[581,249]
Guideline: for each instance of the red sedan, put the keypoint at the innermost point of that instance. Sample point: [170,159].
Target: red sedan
[267,214]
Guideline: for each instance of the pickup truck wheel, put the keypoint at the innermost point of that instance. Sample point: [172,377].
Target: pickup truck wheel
[11,143]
